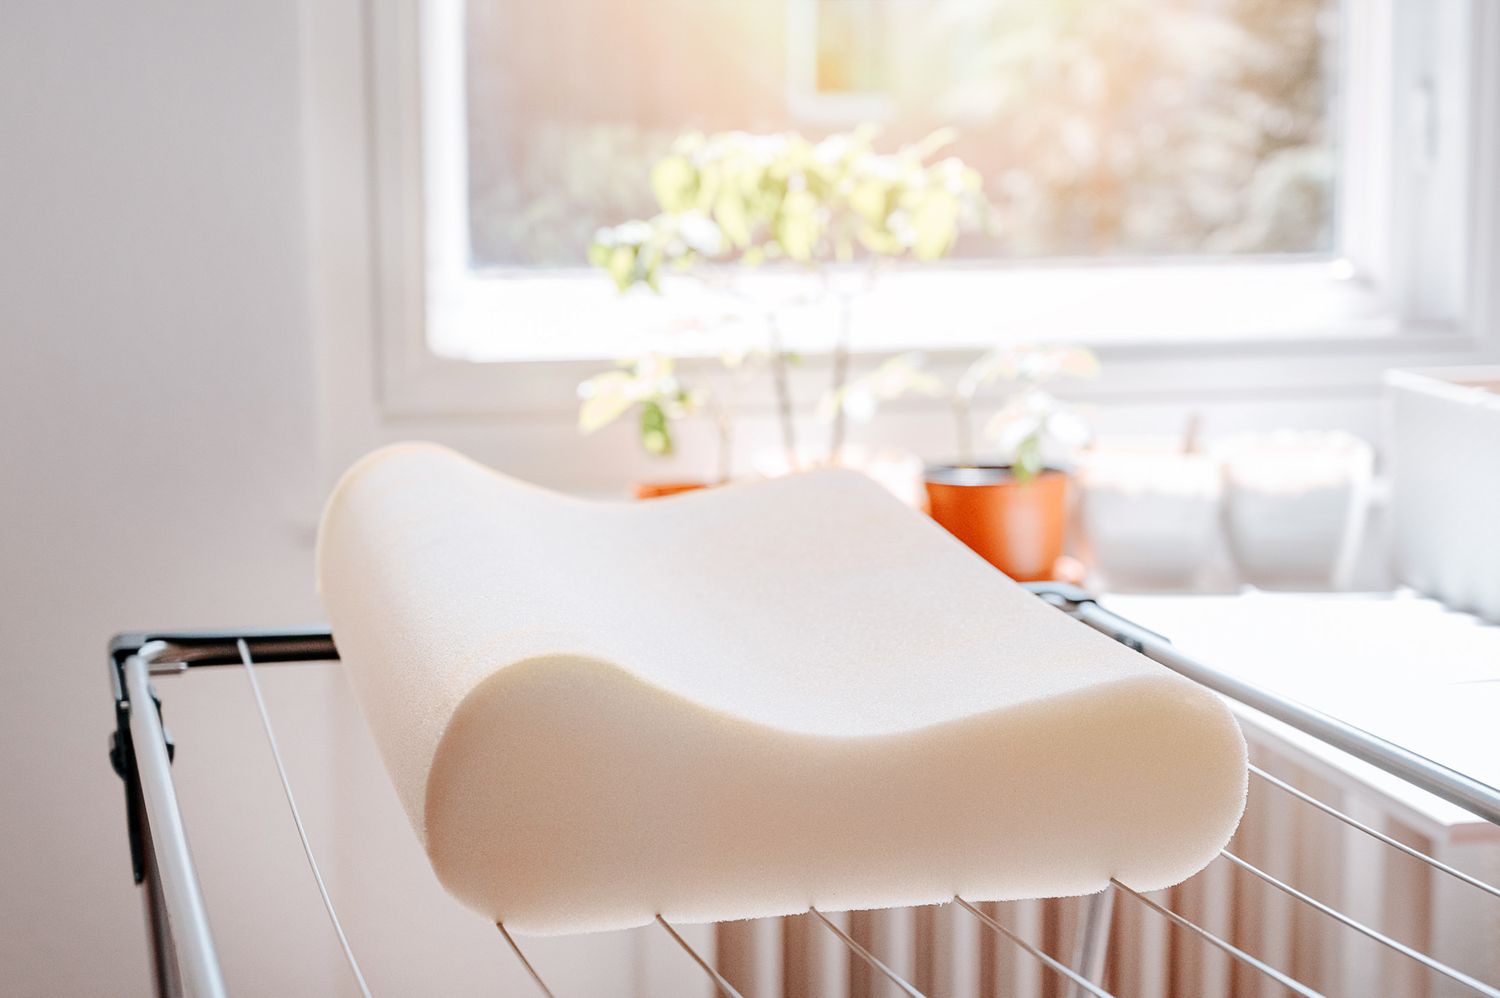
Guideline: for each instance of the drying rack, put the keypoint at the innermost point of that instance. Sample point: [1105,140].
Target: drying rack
[185,961]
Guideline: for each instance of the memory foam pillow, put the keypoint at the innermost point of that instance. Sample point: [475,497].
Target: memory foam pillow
[747,701]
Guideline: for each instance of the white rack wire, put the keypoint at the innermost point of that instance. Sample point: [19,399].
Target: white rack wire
[185,960]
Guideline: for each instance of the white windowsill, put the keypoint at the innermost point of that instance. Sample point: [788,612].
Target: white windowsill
[578,315]
[519,346]
[1395,664]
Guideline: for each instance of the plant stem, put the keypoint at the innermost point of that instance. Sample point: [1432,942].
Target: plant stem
[840,376]
[725,429]
[1028,460]
[783,393]
[964,422]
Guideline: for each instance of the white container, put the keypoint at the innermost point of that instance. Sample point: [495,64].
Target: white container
[1445,488]
[1294,506]
[1150,512]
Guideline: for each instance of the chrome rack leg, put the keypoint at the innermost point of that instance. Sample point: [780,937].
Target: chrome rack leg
[165,977]
[1091,945]
[163,954]
[184,957]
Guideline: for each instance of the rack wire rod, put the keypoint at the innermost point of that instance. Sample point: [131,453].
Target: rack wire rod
[1091,938]
[1290,983]
[291,800]
[1355,823]
[725,988]
[867,956]
[1436,966]
[1458,788]
[516,949]
[1055,964]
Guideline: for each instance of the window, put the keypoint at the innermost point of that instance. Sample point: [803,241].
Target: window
[1130,128]
[1164,171]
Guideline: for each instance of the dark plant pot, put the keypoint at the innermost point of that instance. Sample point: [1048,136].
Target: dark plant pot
[1019,527]
[660,490]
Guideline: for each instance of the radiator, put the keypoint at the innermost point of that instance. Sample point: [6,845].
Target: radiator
[944,951]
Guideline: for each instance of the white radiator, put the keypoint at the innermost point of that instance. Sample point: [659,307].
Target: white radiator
[945,951]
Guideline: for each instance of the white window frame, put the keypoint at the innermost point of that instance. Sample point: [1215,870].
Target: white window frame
[839,111]
[1419,222]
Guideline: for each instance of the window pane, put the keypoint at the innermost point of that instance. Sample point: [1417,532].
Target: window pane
[1103,128]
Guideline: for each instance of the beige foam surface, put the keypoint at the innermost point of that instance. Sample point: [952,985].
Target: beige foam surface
[745,701]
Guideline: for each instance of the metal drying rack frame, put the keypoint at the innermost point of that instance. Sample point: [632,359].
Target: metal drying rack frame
[185,960]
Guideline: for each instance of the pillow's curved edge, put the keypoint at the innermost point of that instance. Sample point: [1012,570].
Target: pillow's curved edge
[346,481]
[1207,849]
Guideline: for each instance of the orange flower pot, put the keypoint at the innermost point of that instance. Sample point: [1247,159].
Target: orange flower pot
[1019,527]
[658,490]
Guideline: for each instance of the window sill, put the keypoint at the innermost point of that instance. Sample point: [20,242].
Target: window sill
[503,346]
[578,315]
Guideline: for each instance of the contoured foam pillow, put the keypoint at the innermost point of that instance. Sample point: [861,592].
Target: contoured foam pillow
[747,701]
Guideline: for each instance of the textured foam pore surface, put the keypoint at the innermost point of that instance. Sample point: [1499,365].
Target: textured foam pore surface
[747,701]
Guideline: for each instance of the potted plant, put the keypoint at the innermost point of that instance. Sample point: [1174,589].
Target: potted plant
[740,201]
[649,386]
[1014,514]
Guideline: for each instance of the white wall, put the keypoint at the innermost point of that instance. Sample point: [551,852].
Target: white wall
[156,396]
[159,468]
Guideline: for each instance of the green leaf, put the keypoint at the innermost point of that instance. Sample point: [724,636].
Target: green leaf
[940,139]
[830,403]
[656,431]
[935,220]
[675,183]
[797,226]
[903,375]
[880,241]
[871,200]
[650,271]
[733,216]
[1028,460]
[622,266]
[605,399]
[989,367]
